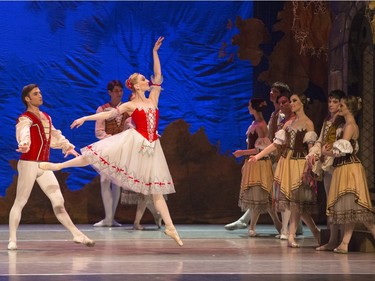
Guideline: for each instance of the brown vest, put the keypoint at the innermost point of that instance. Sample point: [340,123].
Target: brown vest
[112,127]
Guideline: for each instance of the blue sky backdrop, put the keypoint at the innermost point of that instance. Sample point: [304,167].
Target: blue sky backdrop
[72,49]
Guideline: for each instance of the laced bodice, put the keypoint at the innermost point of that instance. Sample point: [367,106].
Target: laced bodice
[146,122]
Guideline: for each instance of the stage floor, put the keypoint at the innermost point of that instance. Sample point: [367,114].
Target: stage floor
[45,252]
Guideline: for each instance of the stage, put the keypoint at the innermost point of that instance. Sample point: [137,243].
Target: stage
[46,252]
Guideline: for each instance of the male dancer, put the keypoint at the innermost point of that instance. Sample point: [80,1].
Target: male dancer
[35,136]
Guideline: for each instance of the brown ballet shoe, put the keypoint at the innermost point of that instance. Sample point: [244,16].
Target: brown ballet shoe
[172,232]
[50,166]
[84,240]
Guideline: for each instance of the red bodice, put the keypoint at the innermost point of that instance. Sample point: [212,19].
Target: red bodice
[146,122]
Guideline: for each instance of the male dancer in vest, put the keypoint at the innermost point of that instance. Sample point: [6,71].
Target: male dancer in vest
[103,129]
[35,136]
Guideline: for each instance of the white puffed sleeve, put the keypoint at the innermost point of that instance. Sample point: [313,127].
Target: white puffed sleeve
[341,148]
[23,131]
[310,137]
[280,137]
[58,141]
[262,143]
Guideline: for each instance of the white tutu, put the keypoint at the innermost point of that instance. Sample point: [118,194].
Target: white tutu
[131,162]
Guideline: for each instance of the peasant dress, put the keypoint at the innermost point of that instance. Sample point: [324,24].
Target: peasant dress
[293,186]
[134,159]
[348,199]
[257,177]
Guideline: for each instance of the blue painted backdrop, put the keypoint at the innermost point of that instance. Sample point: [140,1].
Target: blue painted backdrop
[72,49]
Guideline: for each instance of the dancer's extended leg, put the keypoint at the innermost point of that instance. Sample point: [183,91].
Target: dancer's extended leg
[79,161]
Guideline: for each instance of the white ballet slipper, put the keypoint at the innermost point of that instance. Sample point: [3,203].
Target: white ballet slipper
[12,245]
[102,223]
[236,225]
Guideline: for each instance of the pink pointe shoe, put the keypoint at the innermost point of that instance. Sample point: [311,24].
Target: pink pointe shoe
[172,232]
[50,166]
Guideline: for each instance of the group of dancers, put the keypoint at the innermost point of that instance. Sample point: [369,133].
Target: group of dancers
[282,159]
[280,176]
[132,159]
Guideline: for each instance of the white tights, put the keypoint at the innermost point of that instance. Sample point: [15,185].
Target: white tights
[28,173]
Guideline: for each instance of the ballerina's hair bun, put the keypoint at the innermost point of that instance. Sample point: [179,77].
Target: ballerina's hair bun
[129,83]
[258,104]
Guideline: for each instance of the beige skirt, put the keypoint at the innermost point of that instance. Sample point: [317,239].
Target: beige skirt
[349,199]
[290,188]
[256,186]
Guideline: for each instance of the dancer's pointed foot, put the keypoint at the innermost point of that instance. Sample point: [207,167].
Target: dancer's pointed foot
[84,240]
[235,225]
[138,226]
[12,245]
[172,232]
[50,166]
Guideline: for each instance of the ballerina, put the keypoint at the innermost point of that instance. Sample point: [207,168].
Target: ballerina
[133,159]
